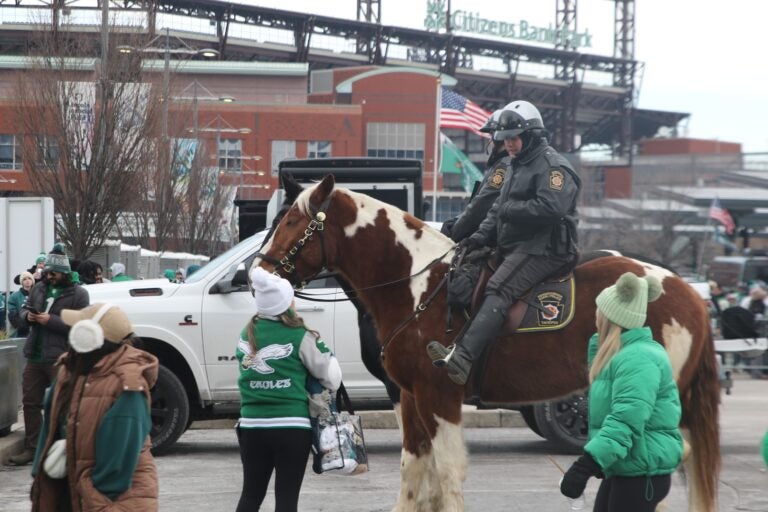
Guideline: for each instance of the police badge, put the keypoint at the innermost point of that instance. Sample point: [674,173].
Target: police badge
[496,180]
[556,179]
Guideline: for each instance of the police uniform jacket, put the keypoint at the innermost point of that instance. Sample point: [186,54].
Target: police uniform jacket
[478,207]
[535,212]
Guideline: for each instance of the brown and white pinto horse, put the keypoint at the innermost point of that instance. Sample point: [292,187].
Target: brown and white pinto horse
[383,253]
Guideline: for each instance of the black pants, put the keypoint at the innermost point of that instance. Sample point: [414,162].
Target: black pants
[519,272]
[262,450]
[34,381]
[632,494]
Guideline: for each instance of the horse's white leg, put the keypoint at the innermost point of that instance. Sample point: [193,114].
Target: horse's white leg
[417,464]
[416,484]
[450,455]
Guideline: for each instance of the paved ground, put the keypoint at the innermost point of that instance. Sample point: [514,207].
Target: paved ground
[509,470]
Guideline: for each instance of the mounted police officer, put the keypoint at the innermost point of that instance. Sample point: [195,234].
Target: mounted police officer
[533,226]
[467,222]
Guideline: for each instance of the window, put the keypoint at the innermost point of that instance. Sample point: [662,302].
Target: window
[282,150]
[230,153]
[10,152]
[47,151]
[396,140]
[319,149]
[447,207]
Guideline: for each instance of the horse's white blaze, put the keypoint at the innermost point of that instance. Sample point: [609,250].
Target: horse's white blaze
[451,462]
[422,249]
[677,341]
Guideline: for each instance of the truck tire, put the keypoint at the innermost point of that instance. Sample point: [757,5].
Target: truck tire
[170,410]
[529,417]
[564,423]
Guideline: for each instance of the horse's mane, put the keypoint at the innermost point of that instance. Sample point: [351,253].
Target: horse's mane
[368,209]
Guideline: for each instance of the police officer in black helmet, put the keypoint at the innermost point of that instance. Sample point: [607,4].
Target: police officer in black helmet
[466,223]
[532,224]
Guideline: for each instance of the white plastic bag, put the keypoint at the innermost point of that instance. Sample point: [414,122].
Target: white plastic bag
[55,465]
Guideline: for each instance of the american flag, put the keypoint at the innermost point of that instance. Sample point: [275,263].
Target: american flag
[456,111]
[721,215]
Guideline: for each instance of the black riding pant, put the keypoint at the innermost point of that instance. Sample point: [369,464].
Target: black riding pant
[632,494]
[519,272]
[262,450]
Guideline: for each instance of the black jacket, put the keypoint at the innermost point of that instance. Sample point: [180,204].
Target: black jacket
[56,331]
[535,212]
[477,209]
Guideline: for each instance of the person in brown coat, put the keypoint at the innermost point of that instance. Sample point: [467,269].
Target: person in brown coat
[93,452]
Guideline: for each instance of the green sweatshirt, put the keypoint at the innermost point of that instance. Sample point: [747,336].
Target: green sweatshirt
[272,381]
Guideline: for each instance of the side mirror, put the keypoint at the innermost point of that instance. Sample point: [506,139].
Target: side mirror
[238,283]
[240,279]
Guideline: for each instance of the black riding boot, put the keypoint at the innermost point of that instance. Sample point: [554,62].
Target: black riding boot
[484,328]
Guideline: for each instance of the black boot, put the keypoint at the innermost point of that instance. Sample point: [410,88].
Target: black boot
[484,328]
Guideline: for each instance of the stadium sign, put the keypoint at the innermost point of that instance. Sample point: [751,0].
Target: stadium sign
[472,22]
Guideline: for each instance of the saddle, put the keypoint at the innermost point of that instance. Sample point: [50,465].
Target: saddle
[549,306]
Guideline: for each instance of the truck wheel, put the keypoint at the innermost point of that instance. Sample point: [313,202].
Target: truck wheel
[564,422]
[528,415]
[170,410]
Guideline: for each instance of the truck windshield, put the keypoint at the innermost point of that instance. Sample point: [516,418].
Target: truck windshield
[216,262]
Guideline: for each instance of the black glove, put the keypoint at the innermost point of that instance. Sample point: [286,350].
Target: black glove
[575,479]
[470,244]
[448,226]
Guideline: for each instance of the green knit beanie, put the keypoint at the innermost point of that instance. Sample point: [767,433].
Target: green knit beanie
[626,302]
[57,260]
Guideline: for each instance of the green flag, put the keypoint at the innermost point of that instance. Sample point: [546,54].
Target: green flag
[454,161]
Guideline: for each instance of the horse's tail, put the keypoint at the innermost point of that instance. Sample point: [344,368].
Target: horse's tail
[701,417]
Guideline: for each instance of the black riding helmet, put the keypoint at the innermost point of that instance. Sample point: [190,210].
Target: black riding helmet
[492,124]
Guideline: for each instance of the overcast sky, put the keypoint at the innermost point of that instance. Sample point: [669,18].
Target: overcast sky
[697,59]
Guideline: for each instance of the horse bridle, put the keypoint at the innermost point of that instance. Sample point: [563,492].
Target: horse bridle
[316,225]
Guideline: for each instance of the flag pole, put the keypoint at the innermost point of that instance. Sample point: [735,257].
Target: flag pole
[436,160]
[707,234]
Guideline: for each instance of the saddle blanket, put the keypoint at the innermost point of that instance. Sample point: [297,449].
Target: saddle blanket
[550,306]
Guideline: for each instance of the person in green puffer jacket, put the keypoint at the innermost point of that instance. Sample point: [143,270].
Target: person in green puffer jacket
[634,440]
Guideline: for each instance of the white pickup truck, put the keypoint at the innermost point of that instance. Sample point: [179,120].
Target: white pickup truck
[193,329]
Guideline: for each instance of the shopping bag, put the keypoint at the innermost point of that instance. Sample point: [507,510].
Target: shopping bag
[338,443]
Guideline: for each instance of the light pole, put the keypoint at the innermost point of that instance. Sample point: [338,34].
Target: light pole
[182,49]
[195,98]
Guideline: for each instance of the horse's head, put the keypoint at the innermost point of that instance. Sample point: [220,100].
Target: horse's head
[298,247]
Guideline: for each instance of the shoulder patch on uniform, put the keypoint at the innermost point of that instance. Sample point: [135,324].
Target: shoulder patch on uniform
[556,179]
[496,179]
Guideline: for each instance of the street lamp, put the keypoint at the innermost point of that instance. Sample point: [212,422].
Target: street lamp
[195,98]
[182,48]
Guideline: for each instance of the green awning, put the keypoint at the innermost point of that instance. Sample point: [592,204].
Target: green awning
[454,161]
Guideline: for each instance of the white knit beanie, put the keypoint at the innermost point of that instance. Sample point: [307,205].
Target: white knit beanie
[273,294]
[117,269]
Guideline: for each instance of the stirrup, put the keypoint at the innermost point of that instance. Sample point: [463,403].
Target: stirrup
[440,354]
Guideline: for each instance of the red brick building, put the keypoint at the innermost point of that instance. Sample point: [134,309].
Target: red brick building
[361,111]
